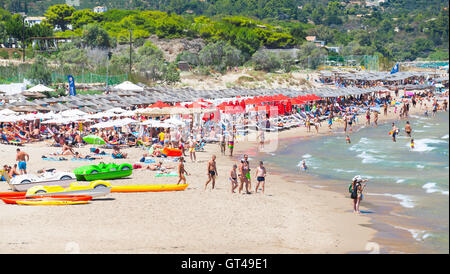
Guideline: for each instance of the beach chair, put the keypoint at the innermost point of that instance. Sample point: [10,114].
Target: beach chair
[11,141]
[200,145]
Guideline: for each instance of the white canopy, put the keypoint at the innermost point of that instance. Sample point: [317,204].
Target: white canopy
[128,86]
[40,88]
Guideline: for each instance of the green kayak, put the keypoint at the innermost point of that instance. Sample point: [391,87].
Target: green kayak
[103,171]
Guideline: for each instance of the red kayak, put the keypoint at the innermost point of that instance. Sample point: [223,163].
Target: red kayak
[12,194]
[72,198]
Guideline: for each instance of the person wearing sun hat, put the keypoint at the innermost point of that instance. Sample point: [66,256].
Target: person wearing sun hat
[357,192]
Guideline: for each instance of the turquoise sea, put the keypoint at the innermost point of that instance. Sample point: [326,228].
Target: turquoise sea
[408,191]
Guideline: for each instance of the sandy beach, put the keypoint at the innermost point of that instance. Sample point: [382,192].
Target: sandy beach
[288,218]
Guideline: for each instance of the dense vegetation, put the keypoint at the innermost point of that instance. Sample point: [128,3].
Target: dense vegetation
[236,31]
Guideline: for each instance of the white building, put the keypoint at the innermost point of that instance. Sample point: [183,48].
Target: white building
[100,9]
[34,20]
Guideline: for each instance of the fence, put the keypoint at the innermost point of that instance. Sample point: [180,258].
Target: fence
[91,78]
[367,62]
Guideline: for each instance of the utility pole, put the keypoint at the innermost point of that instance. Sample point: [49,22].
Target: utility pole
[23,39]
[131,42]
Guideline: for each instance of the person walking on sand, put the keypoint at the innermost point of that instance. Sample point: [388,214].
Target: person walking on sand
[385,108]
[368,117]
[408,129]
[212,172]
[260,176]
[231,141]
[357,192]
[247,175]
[222,143]
[243,170]
[261,139]
[22,158]
[233,178]
[182,171]
[192,143]
[316,124]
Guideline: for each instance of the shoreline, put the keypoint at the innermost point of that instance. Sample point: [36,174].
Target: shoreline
[321,184]
[288,218]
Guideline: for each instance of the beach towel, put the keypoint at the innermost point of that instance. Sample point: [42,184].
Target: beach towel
[82,159]
[166,175]
[54,159]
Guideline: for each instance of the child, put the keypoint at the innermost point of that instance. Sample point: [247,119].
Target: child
[233,178]
[412,143]
[347,139]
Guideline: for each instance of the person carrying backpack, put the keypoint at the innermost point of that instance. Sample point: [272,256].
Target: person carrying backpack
[356,189]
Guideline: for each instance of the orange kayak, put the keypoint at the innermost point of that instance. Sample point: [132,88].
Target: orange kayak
[148,188]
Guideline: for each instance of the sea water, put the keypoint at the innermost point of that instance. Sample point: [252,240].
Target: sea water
[416,179]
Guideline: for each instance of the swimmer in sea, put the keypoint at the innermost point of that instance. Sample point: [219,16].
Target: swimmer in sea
[304,167]
[412,143]
[347,139]
[408,129]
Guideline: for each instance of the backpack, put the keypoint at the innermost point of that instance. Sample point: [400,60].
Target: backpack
[354,192]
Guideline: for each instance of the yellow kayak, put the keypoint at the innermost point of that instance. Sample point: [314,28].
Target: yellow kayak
[50,202]
[148,188]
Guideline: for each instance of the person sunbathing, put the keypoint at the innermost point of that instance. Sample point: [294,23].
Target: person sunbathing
[66,150]
[118,154]
[77,155]
[158,167]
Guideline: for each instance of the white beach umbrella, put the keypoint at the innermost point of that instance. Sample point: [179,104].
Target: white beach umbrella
[72,113]
[7,112]
[128,86]
[40,88]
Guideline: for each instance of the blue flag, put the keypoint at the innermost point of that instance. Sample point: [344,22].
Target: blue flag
[394,69]
[72,90]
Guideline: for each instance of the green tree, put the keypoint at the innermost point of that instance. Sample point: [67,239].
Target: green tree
[96,37]
[59,15]
[84,17]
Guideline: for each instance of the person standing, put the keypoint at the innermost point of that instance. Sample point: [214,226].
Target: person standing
[368,117]
[247,175]
[181,171]
[192,144]
[357,192]
[260,176]
[243,169]
[22,158]
[233,178]
[375,118]
[231,141]
[394,132]
[212,172]
[408,129]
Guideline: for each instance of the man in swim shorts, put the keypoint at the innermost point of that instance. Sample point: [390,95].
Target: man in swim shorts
[22,158]
[408,129]
[260,176]
[212,172]
[247,175]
